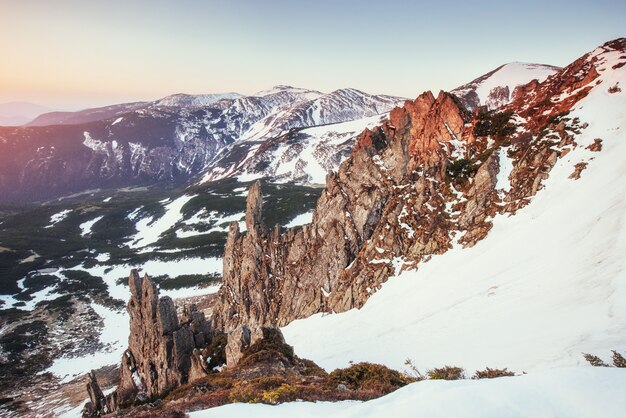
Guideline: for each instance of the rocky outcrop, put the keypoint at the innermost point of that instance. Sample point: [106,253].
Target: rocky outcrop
[431,177]
[164,351]
[161,345]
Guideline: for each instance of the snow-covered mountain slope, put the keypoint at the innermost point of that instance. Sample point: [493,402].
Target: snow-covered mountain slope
[302,142]
[545,284]
[266,100]
[336,107]
[194,100]
[247,115]
[572,393]
[496,88]
[303,155]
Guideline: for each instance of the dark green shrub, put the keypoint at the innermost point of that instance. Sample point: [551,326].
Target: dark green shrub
[217,350]
[189,280]
[461,168]
[494,124]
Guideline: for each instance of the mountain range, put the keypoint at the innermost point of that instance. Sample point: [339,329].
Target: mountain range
[287,134]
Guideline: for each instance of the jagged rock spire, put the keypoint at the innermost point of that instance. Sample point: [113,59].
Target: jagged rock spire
[99,404]
[164,351]
[254,205]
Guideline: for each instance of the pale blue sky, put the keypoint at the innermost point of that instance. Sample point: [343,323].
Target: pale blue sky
[78,53]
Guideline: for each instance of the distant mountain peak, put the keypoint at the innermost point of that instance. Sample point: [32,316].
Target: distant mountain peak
[283,88]
[495,88]
[195,100]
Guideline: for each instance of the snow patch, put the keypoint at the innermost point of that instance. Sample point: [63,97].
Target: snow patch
[149,230]
[114,337]
[85,227]
[506,166]
[302,219]
[58,217]
[214,218]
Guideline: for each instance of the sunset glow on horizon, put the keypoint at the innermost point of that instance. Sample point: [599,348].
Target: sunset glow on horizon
[73,54]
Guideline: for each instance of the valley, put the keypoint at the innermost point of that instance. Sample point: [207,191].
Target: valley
[64,266]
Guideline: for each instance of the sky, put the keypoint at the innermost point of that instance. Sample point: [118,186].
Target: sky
[71,54]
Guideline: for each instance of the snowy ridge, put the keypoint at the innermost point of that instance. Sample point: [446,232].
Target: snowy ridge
[495,89]
[302,140]
[180,137]
[339,106]
[194,100]
[282,89]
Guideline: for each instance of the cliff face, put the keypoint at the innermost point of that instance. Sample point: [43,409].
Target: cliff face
[431,177]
